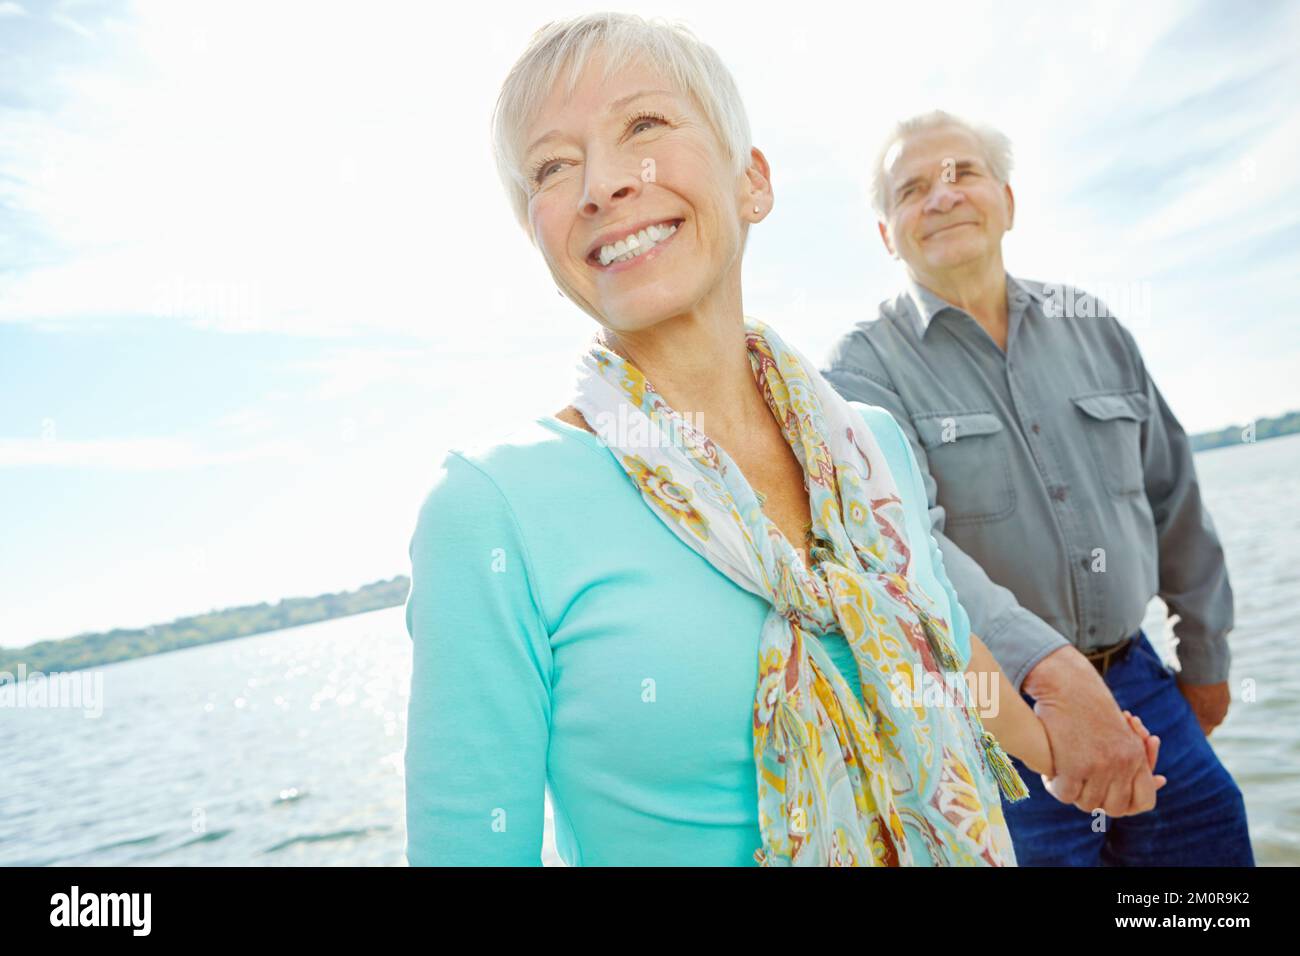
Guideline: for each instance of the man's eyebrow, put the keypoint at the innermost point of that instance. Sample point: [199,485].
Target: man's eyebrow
[614,107]
[959,166]
[912,181]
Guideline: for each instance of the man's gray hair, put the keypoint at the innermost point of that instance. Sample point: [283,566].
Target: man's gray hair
[995,145]
[566,46]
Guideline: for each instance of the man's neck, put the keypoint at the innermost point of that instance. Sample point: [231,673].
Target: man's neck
[980,290]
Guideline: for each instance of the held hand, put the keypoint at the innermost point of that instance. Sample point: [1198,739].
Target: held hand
[1152,745]
[1101,760]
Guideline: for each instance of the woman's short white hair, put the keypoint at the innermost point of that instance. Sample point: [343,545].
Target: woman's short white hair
[995,145]
[564,48]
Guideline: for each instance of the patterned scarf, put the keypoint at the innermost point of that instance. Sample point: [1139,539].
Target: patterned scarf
[880,780]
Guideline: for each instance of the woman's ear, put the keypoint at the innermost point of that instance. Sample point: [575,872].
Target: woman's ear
[759,196]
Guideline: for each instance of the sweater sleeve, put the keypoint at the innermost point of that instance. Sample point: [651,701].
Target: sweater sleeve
[478,719]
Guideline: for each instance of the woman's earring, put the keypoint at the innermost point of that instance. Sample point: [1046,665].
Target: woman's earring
[755,209]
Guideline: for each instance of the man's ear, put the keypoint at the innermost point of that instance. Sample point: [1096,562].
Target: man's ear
[884,237]
[1011,206]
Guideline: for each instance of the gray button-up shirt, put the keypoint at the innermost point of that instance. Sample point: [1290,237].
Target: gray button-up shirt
[1062,490]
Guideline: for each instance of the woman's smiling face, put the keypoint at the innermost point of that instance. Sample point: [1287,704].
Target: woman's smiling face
[616,158]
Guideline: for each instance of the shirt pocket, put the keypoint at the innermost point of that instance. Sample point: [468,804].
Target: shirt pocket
[1114,426]
[970,461]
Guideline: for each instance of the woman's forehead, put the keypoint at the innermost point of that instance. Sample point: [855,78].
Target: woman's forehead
[601,86]
[595,98]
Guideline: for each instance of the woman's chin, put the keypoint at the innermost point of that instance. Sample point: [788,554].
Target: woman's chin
[640,310]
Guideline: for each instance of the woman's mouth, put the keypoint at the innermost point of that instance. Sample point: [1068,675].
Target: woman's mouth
[634,247]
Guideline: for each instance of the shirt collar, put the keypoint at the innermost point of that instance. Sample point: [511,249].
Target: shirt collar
[926,304]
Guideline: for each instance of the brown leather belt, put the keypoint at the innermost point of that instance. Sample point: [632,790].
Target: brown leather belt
[1103,657]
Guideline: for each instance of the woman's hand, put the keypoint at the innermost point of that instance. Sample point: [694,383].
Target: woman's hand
[1152,743]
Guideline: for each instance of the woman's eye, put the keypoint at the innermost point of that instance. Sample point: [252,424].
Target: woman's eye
[543,169]
[637,121]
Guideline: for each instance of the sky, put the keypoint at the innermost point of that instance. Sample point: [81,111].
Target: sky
[257,272]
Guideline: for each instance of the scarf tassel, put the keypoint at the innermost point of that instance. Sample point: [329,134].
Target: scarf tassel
[791,734]
[1013,787]
[940,643]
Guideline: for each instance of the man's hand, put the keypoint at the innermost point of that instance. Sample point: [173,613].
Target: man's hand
[1209,703]
[1100,762]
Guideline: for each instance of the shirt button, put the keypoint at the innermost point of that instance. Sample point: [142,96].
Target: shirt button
[1093,629]
[1087,565]
[1058,492]
[1034,426]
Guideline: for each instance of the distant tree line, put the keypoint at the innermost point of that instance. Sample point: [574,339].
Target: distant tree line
[1238,434]
[95,650]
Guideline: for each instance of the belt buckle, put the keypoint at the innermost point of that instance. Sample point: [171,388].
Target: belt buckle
[1103,658]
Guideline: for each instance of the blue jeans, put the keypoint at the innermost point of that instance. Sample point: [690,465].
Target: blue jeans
[1199,818]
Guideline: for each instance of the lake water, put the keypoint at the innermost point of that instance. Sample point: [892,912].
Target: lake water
[286,748]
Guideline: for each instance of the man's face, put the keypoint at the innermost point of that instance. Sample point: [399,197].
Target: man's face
[945,209]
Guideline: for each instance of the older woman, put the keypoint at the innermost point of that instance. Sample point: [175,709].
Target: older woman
[701,603]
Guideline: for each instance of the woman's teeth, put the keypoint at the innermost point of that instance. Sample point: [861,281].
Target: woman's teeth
[636,244]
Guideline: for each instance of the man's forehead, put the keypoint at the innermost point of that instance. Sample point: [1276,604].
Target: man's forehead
[917,151]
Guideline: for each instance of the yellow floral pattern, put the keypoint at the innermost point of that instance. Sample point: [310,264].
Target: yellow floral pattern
[665,494]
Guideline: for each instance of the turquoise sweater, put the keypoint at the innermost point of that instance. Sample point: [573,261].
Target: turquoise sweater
[564,638]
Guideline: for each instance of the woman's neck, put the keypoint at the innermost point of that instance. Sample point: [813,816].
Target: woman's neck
[700,365]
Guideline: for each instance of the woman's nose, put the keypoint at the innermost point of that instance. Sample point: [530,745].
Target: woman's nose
[607,186]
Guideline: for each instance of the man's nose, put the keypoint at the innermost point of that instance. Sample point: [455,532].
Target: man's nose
[943,197]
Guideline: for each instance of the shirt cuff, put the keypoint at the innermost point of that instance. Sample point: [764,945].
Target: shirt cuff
[1202,658]
[1020,639]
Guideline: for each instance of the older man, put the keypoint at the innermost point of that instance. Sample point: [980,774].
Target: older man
[1063,496]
